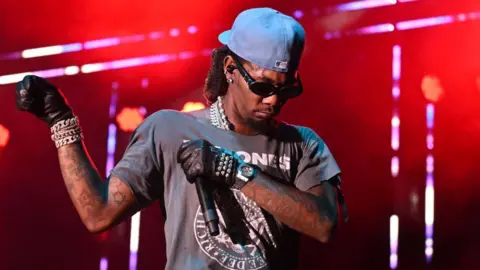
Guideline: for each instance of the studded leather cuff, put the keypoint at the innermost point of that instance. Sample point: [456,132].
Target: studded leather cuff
[225,166]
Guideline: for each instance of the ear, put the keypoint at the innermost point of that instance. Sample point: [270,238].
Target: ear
[228,64]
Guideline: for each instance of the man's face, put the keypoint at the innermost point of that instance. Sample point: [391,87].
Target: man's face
[255,109]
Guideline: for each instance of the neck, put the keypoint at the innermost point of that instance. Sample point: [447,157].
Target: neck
[234,117]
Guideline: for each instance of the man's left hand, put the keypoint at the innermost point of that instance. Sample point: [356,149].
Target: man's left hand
[199,158]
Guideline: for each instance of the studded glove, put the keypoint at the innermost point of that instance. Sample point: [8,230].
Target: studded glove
[199,158]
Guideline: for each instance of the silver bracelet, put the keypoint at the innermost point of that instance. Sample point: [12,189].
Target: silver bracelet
[68,140]
[66,131]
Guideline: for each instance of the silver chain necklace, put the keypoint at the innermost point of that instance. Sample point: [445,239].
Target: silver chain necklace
[218,116]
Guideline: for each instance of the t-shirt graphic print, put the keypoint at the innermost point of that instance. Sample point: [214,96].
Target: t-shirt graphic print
[236,253]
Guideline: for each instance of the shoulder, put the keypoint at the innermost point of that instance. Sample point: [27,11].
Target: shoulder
[155,123]
[301,134]
[307,139]
[167,124]
[164,115]
[166,127]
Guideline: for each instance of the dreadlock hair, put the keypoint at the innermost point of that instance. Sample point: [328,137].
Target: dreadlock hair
[216,83]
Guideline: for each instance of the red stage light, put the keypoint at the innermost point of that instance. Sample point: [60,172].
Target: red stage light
[432,88]
[129,118]
[192,106]
[4,136]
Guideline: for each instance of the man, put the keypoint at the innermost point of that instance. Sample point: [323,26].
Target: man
[270,181]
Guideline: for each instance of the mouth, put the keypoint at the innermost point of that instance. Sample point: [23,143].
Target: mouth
[264,114]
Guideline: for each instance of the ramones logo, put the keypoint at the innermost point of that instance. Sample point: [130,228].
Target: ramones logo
[283,162]
[265,159]
[222,249]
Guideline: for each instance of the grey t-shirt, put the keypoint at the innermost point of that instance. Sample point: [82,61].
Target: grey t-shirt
[250,238]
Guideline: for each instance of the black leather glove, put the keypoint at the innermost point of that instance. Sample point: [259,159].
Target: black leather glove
[42,99]
[199,158]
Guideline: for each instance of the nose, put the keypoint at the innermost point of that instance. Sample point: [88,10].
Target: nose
[272,100]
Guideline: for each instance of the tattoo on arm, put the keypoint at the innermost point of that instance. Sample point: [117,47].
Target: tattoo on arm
[97,201]
[311,214]
[116,193]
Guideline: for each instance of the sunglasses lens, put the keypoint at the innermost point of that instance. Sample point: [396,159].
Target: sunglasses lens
[290,92]
[266,89]
[262,89]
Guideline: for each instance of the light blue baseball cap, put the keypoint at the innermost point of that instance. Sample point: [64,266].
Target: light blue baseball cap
[266,37]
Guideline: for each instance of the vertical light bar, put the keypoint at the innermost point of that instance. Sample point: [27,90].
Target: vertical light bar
[134,239]
[393,241]
[396,74]
[395,144]
[396,64]
[135,221]
[395,122]
[111,143]
[395,166]
[429,189]
[112,129]
[103,264]
[395,131]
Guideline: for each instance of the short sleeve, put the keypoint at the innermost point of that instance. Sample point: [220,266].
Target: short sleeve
[141,167]
[317,163]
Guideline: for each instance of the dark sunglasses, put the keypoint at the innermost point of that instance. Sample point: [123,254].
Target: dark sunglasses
[265,89]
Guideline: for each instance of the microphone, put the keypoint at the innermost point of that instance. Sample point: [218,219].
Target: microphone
[208,206]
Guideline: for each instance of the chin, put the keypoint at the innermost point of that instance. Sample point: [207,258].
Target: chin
[259,123]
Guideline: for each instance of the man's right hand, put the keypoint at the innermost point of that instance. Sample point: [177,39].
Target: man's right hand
[42,99]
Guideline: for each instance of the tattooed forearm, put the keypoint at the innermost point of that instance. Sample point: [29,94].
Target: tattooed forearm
[96,201]
[83,182]
[307,213]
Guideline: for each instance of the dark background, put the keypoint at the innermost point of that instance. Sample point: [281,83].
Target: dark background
[348,101]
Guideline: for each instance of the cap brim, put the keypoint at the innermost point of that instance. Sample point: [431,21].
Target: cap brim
[224,37]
